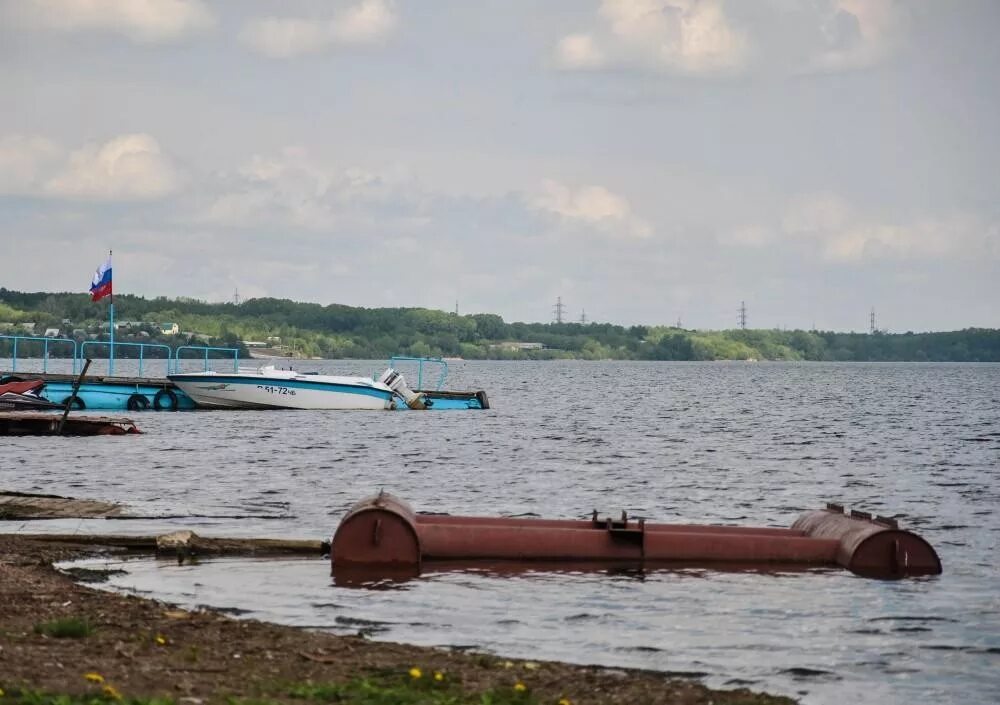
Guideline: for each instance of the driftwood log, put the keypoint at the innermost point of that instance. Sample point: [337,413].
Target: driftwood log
[21,505]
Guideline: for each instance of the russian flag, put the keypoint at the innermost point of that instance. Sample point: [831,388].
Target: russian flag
[101,286]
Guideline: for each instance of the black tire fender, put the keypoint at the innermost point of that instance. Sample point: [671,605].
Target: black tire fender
[137,402]
[77,403]
[165,400]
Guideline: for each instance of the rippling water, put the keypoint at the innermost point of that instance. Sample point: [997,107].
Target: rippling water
[753,444]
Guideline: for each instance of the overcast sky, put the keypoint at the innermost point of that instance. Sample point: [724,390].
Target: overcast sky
[645,160]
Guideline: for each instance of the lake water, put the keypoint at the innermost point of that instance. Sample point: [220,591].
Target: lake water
[738,443]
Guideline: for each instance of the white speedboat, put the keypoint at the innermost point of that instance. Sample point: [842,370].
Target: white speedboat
[270,388]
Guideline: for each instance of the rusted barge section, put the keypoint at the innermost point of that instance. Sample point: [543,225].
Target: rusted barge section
[384,533]
[37,423]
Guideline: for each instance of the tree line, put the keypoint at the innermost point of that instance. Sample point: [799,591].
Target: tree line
[337,331]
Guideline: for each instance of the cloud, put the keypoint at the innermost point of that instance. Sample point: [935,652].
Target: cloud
[591,205]
[748,236]
[858,34]
[291,189]
[24,160]
[683,36]
[579,51]
[125,168]
[369,22]
[839,233]
[142,21]
[816,214]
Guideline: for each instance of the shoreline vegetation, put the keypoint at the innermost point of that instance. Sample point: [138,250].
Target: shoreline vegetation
[64,643]
[307,330]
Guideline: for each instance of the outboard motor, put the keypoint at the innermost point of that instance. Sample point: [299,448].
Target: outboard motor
[397,383]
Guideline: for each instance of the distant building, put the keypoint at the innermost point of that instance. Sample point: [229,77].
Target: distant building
[28,327]
[51,333]
[169,329]
[515,345]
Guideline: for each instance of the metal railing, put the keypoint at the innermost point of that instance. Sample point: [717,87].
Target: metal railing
[421,361]
[170,356]
[206,349]
[141,346]
[14,339]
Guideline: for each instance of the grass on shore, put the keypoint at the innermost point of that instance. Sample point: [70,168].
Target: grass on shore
[412,688]
[65,628]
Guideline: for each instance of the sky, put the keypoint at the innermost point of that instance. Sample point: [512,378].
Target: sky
[644,161]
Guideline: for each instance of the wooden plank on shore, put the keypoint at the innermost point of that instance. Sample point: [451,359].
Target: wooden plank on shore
[187,543]
[18,505]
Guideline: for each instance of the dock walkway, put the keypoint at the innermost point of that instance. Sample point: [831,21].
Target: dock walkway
[38,423]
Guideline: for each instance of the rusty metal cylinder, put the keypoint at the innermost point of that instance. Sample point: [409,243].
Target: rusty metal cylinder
[379,530]
[525,543]
[384,531]
[731,547]
[871,547]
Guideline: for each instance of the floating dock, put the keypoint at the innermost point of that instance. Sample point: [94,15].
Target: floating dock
[383,533]
[108,393]
[27,423]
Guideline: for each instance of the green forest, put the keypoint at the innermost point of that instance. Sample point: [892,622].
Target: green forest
[336,331]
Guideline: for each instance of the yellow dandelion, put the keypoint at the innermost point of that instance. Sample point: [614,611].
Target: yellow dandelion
[161,640]
[94,677]
[564,701]
[438,676]
[520,687]
[416,672]
[1,692]
[111,692]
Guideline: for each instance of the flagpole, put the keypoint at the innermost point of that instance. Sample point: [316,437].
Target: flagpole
[111,309]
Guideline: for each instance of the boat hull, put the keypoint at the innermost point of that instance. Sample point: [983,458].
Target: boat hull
[214,391]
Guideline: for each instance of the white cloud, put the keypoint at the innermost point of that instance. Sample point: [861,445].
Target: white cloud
[839,233]
[816,214]
[126,168]
[859,33]
[144,21]
[591,205]
[579,51]
[24,160]
[369,22]
[685,36]
[292,189]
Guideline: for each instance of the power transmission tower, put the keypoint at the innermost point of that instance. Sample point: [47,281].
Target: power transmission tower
[679,322]
[456,307]
[583,317]
[560,308]
[743,315]
[236,297]
[871,322]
